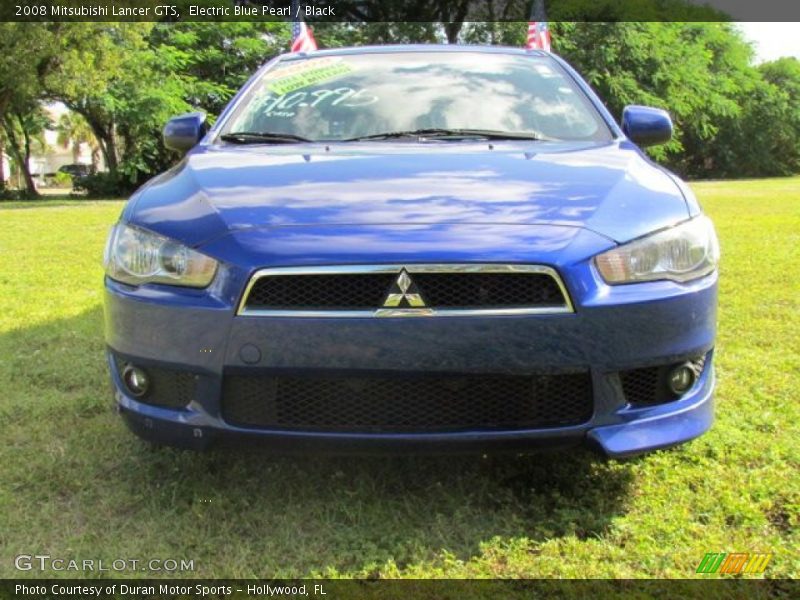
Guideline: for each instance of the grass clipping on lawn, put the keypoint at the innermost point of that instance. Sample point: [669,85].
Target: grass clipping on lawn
[76,484]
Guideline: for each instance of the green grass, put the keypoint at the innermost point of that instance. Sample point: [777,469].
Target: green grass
[75,483]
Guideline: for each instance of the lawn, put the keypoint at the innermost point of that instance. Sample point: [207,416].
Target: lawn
[75,483]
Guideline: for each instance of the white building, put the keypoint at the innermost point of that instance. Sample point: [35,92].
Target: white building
[6,170]
[56,155]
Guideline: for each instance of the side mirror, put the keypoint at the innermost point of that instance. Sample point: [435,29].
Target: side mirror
[182,133]
[646,126]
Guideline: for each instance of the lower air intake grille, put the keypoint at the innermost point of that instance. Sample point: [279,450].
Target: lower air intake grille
[407,404]
[170,388]
[648,385]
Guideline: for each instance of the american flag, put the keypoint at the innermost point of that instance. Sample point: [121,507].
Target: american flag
[538,31]
[302,38]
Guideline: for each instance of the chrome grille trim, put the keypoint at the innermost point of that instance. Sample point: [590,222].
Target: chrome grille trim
[565,308]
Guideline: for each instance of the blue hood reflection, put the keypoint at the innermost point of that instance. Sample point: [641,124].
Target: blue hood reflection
[609,188]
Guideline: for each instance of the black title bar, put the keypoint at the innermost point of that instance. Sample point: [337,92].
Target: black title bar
[387,589]
[373,11]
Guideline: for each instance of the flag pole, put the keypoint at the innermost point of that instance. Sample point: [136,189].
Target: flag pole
[538,29]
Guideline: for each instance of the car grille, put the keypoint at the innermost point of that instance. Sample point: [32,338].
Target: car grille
[367,291]
[478,290]
[447,288]
[648,386]
[407,404]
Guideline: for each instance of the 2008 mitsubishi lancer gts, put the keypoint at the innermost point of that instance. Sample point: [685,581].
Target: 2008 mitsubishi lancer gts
[415,248]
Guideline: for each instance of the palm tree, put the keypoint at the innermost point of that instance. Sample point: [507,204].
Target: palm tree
[73,130]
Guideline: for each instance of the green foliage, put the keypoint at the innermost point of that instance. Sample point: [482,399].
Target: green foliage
[216,59]
[61,179]
[103,185]
[693,70]
[22,131]
[632,10]
[7,194]
[336,35]
[765,139]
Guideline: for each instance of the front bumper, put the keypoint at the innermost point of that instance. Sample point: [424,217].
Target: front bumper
[613,329]
[636,433]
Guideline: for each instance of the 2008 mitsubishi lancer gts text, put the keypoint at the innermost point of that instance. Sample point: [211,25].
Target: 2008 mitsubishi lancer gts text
[415,247]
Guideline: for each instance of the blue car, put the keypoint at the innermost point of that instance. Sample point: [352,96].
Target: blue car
[414,248]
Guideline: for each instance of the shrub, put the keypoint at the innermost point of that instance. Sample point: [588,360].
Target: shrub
[103,185]
[8,194]
[61,179]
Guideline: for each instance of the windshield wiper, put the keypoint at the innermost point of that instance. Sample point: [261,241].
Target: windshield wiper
[261,137]
[454,134]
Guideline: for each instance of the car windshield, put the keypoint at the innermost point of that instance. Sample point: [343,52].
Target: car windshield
[335,98]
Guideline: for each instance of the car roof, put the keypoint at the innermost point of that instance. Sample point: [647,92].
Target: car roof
[409,48]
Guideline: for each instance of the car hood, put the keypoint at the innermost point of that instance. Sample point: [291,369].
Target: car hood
[608,188]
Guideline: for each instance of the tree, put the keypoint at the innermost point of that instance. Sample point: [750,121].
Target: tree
[694,70]
[92,59]
[2,164]
[216,59]
[142,74]
[24,55]
[22,128]
[73,131]
[335,35]
[765,140]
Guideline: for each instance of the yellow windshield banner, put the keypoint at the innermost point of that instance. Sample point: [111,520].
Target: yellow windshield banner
[306,74]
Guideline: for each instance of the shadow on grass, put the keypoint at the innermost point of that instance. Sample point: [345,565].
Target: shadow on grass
[246,512]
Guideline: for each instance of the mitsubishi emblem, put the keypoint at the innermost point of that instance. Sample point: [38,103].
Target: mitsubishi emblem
[404,293]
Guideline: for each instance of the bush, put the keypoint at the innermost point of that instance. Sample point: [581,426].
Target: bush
[103,185]
[8,194]
[61,179]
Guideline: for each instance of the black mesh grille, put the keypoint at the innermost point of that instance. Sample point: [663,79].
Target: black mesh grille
[168,387]
[368,291]
[649,386]
[479,290]
[393,404]
[331,292]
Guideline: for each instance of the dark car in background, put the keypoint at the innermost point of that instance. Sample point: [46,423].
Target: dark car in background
[76,170]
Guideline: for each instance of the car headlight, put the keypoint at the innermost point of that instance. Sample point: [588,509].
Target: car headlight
[681,253]
[136,256]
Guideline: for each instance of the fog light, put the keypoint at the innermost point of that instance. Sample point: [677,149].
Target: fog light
[135,380]
[681,379]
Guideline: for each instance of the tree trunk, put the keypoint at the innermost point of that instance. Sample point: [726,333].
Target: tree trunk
[95,157]
[111,143]
[452,30]
[30,184]
[108,148]
[26,171]
[2,166]
[104,135]
[492,24]
[454,22]
[20,156]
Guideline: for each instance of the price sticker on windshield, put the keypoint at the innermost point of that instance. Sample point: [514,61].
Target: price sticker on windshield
[306,74]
